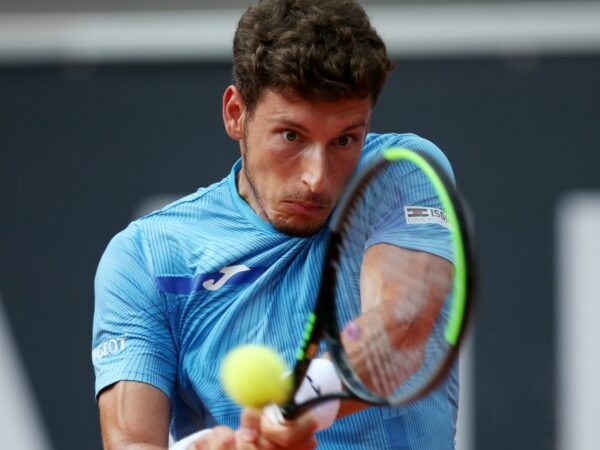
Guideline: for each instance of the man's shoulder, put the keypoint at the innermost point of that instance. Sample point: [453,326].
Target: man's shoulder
[377,142]
[189,205]
[178,218]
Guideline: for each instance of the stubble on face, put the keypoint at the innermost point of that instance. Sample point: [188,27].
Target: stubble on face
[281,222]
[293,184]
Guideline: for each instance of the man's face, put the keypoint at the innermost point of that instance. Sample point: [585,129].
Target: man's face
[297,156]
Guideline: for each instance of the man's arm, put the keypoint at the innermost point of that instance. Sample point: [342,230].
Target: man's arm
[386,287]
[134,416]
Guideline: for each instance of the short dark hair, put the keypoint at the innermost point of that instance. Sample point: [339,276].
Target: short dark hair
[318,49]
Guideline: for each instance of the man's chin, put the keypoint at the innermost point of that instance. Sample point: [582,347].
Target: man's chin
[297,228]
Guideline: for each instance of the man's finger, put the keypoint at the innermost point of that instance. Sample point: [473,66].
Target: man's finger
[249,426]
[298,433]
[219,438]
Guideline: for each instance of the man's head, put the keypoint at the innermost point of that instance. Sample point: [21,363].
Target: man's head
[306,75]
[316,49]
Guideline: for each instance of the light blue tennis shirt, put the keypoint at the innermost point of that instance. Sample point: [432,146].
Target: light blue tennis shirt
[179,288]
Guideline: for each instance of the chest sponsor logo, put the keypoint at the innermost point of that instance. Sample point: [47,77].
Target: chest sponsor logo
[228,275]
[228,272]
[425,214]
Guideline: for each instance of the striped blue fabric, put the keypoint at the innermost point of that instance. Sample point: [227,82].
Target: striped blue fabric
[179,288]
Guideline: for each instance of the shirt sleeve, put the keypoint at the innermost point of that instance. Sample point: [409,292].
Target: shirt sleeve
[408,192]
[132,339]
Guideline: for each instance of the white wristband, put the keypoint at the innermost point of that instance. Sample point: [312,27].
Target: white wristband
[321,378]
[188,440]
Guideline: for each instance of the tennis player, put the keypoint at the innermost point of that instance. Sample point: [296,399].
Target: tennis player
[239,261]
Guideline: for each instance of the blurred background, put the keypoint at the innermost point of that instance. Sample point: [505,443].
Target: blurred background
[108,109]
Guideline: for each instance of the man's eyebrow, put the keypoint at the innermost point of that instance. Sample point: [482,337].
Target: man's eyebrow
[360,124]
[290,123]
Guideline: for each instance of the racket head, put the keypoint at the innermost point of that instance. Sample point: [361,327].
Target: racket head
[378,363]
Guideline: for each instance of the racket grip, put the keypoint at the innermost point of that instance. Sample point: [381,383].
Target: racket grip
[321,379]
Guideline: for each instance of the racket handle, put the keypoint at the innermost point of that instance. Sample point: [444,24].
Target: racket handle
[320,380]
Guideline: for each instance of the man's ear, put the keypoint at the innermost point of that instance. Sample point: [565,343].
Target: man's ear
[234,110]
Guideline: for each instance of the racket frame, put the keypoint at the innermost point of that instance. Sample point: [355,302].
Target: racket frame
[322,322]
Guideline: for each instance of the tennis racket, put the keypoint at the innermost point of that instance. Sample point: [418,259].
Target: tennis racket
[392,315]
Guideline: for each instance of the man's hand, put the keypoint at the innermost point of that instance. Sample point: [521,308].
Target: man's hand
[257,432]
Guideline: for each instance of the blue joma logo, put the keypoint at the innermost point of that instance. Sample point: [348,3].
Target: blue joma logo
[228,275]
[228,272]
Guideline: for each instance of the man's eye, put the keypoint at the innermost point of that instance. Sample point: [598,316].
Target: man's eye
[344,141]
[290,136]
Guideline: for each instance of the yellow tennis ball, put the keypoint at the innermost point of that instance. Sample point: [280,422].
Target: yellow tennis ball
[254,376]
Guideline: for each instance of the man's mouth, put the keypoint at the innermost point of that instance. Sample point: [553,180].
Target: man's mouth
[306,205]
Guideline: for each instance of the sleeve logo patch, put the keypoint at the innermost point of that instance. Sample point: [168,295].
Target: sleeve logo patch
[425,214]
[107,348]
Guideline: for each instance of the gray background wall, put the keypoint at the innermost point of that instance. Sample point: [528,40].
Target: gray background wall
[81,145]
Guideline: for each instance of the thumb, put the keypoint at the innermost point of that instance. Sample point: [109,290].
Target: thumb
[249,426]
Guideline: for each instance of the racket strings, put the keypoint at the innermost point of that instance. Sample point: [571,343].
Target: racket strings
[373,352]
[383,345]
[389,350]
[385,373]
[369,351]
[384,361]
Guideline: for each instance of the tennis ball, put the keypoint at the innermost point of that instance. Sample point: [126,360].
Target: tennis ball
[254,376]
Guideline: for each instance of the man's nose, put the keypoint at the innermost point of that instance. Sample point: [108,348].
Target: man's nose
[315,168]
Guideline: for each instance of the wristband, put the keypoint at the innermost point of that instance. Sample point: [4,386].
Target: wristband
[188,440]
[320,379]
